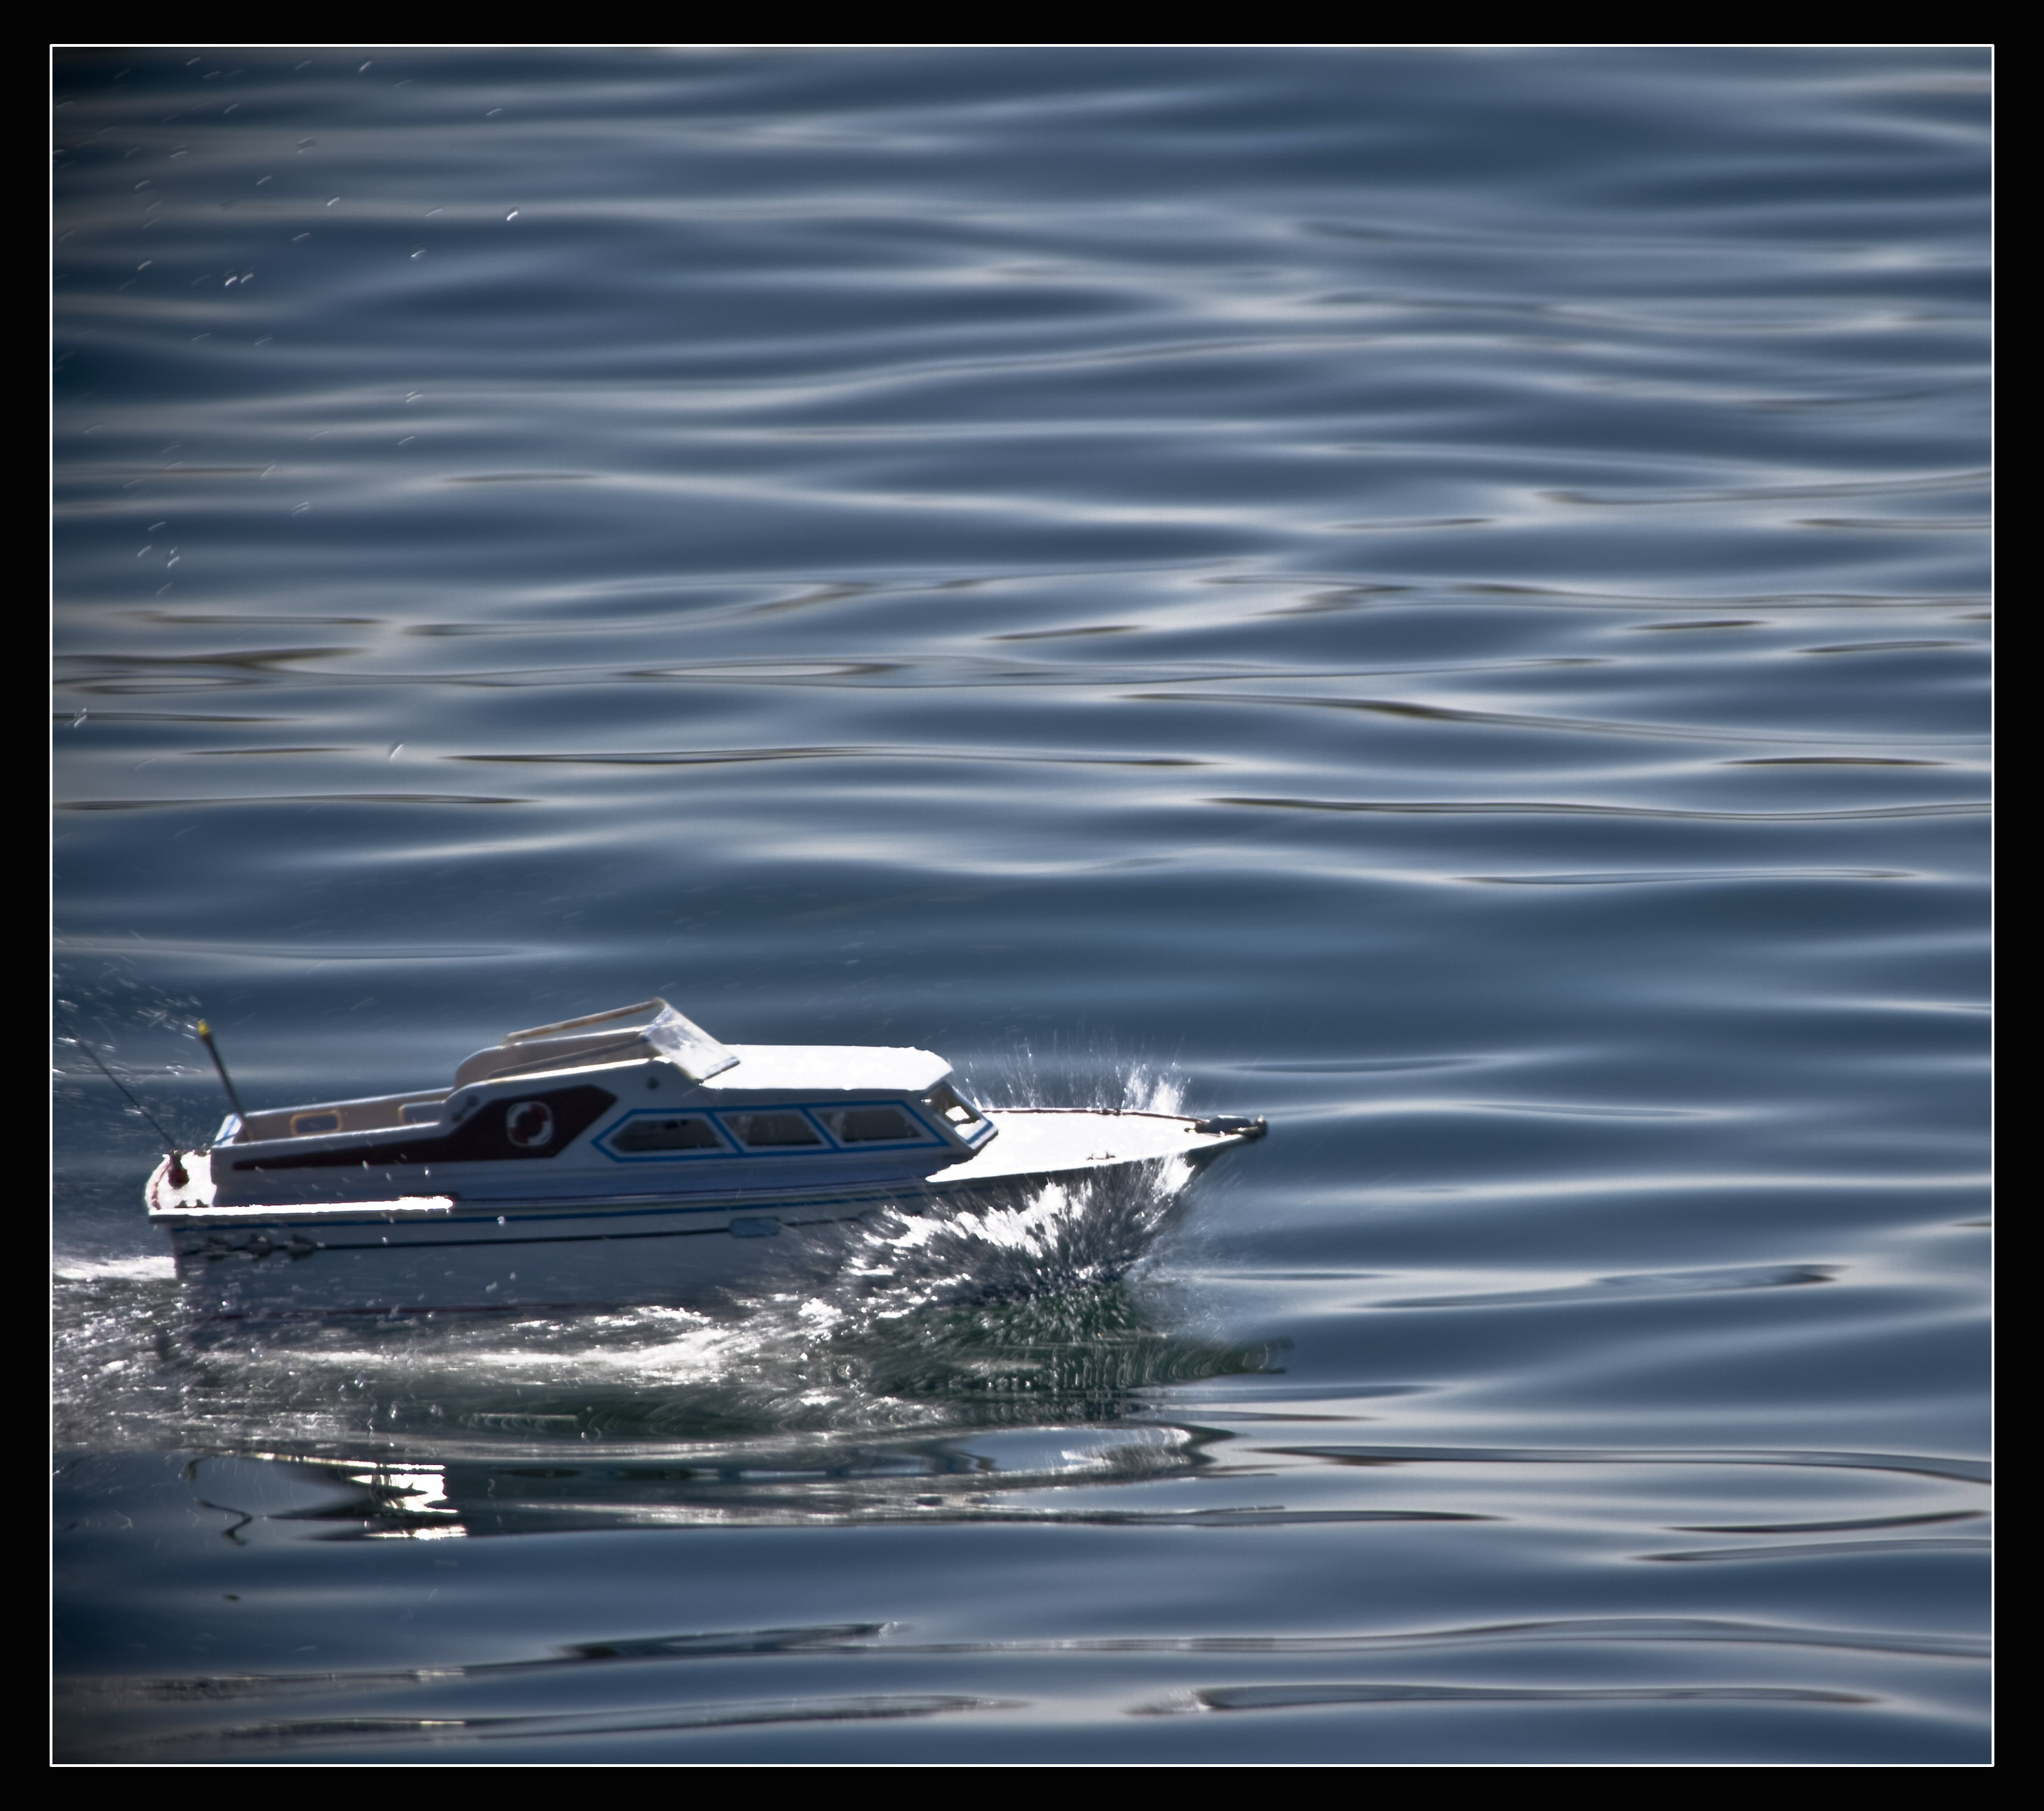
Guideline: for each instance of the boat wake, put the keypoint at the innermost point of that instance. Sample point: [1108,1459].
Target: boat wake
[1011,1307]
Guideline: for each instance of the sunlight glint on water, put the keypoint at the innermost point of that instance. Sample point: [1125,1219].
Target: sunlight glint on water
[1438,596]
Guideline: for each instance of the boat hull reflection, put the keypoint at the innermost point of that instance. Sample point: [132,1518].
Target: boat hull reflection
[766,1482]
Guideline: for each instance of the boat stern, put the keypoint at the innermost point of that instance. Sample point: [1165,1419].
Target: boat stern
[180,1183]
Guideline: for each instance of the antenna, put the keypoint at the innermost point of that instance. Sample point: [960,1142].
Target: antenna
[176,1177]
[226,1081]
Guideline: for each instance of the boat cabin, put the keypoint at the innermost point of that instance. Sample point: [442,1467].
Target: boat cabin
[633,1100]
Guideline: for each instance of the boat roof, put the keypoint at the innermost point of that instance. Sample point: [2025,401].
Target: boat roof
[831,1066]
[652,1028]
[625,1034]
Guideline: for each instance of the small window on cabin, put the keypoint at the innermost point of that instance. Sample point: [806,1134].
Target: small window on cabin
[651,1133]
[955,1108]
[773,1131]
[310,1125]
[420,1113]
[872,1126]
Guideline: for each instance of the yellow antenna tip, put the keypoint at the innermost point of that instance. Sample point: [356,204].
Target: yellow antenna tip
[204,1029]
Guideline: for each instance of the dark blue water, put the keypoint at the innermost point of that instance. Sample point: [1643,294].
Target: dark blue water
[1436,597]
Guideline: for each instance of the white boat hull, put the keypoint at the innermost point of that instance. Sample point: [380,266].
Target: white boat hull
[430,1255]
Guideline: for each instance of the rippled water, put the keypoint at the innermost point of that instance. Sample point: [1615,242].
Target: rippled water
[1436,597]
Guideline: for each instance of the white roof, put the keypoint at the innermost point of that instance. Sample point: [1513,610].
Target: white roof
[831,1066]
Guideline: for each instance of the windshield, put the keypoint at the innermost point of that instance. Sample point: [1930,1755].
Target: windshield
[955,1107]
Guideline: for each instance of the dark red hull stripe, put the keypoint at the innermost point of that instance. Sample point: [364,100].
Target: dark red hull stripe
[483,1137]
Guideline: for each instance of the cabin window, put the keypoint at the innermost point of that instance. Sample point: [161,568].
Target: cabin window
[872,1125]
[649,1132]
[772,1131]
[310,1125]
[955,1108]
[420,1113]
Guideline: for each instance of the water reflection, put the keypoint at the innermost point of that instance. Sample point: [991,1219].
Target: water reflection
[763,1483]
[486,1457]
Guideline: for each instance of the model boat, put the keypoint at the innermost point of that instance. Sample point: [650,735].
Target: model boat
[624,1158]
